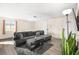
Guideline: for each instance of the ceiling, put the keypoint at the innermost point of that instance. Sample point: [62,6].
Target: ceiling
[34,11]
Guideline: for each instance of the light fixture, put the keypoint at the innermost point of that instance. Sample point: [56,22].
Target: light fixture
[33,18]
[67,12]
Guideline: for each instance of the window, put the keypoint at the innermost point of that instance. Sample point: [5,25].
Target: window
[10,26]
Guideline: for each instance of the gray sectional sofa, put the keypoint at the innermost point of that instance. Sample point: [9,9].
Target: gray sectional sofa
[31,39]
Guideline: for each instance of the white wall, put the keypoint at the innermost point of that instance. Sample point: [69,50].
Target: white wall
[0,26]
[72,25]
[41,25]
[22,25]
[55,25]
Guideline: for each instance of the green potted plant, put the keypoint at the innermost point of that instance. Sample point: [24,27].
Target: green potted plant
[69,46]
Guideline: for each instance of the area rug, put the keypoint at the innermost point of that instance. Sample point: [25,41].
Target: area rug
[39,51]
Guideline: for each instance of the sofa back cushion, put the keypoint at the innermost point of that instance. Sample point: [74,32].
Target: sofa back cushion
[20,35]
[26,34]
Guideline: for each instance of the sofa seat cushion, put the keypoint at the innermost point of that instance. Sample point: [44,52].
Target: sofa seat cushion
[30,41]
[45,37]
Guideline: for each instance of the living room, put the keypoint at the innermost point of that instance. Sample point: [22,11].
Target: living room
[40,23]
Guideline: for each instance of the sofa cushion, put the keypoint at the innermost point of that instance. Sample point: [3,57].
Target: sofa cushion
[26,34]
[37,33]
[40,31]
[30,41]
[16,36]
[29,37]
[21,35]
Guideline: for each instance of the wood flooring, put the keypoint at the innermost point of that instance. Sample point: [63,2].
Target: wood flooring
[8,49]
[55,49]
